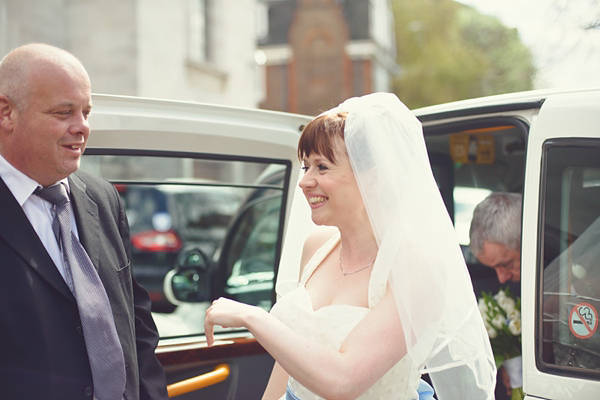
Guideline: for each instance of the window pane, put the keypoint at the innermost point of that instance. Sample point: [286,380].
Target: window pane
[197,31]
[472,163]
[254,251]
[117,168]
[465,201]
[212,225]
[571,259]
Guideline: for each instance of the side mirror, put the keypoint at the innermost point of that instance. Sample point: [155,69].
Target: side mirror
[188,282]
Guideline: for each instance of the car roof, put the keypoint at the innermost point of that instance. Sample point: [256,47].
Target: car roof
[123,122]
[492,104]
[164,107]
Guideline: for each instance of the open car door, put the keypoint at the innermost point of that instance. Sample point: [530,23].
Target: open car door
[561,250]
[207,191]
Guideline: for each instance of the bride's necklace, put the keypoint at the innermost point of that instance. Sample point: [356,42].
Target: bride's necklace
[352,272]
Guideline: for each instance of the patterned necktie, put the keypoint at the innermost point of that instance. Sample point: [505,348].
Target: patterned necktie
[104,349]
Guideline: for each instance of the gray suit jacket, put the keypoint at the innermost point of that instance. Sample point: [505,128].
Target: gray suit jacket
[42,351]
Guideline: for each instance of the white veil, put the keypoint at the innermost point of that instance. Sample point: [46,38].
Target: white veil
[418,248]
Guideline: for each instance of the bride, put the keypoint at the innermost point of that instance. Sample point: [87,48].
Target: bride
[384,298]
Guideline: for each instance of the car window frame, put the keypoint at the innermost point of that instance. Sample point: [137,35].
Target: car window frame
[541,365]
[288,167]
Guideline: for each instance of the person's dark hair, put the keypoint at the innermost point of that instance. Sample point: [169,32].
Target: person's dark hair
[319,136]
[497,219]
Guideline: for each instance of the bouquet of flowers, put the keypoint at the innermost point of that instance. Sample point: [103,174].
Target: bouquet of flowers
[502,318]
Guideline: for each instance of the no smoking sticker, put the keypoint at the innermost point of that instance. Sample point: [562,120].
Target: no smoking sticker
[583,320]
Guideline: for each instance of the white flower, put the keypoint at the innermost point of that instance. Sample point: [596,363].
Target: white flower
[513,315]
[507,304]
[500,296]
[514,327]
[579,271]
[499,321]
[492,333]
[482,306]
[487,325]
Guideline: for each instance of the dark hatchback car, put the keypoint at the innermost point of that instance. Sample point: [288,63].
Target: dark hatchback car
[241,267]
[166,218]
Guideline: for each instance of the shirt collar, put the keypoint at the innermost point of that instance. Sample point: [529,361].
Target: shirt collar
[20,185]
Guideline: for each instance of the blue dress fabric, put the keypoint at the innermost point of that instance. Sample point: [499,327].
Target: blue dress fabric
[425,392]
[289,395]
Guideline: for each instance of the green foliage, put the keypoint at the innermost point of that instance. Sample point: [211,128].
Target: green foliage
[448,52]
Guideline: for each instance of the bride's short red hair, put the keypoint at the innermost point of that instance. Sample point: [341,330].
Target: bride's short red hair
[320,134]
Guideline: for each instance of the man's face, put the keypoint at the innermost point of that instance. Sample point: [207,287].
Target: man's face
[506,262]
[50,133]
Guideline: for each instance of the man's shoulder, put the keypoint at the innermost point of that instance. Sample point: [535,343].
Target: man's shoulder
[93,184]
[91,181]
[86,177]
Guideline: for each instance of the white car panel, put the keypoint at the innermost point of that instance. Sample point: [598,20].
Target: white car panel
[562,115]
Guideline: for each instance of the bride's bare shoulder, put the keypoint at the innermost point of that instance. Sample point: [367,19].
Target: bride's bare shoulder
[315,241]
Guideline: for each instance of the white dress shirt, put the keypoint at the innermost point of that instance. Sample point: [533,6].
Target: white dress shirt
[39,211]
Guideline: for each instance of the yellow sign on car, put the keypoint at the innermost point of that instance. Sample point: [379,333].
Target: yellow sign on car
[469,148]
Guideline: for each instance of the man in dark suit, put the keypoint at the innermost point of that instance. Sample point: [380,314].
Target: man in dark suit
[45,99]
[495,235]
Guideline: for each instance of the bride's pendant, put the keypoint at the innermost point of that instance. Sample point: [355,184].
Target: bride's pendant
[346,273]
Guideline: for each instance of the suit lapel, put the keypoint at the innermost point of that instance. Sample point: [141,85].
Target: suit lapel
[86,215]
[16,230]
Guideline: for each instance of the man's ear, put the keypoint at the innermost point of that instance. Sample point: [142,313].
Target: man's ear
[6,113]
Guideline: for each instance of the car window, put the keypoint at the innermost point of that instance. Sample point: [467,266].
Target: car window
[253,253]
[473,160]
[207,227]
[470,160]
[569,259]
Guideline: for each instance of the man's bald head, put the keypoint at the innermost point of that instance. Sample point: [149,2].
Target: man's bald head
[18,67]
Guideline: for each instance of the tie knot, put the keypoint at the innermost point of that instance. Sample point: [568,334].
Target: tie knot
[56,194]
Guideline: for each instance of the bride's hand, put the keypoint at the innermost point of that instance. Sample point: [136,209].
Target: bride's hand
[226,313]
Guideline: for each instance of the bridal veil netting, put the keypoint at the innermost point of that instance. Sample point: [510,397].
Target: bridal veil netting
[418,248]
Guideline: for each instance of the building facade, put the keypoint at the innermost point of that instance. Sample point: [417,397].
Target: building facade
[198,50]
[316,53]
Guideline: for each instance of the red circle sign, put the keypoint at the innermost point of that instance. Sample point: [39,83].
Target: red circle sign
[583,320]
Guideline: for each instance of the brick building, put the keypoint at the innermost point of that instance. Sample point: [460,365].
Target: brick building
[317,53]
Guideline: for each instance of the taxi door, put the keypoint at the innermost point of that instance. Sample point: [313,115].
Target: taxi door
[207,190]
[561,250]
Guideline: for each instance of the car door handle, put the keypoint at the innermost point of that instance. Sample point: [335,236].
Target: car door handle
[219,374]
